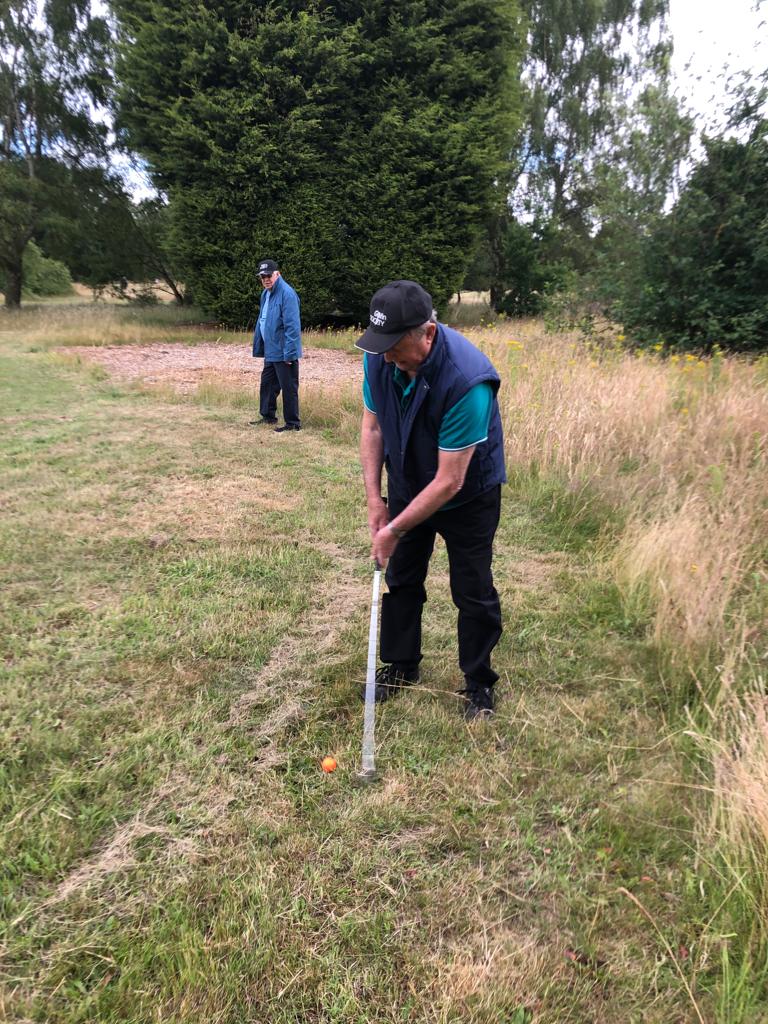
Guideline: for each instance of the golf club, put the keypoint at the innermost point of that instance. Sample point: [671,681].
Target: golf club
[368,769]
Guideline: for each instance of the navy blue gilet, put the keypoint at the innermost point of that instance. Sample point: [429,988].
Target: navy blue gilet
[452,367]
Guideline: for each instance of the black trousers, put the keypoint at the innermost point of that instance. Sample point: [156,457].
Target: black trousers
[468,532]
[277,377]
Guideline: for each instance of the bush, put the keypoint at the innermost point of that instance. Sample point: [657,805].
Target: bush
[515,263]
[705,269]
[144,296]
[44,276]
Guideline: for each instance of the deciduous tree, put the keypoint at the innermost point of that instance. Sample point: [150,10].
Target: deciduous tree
[705,278]
[600,148]
[53,69]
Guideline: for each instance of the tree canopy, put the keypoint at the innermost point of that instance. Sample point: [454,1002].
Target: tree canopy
[355,143]
[54,66]
[584,60]
[601,146]
[705,279]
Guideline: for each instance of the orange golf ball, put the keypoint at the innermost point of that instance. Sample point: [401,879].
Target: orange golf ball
[328,764]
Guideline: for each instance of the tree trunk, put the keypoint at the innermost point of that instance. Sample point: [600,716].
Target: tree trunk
[159,266]
[496,248]
[178,296]
[13,278]
[161,271]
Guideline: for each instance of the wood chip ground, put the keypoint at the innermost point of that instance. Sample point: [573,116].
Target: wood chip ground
[183,367]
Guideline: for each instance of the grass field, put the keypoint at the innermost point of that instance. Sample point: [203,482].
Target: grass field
[184,610]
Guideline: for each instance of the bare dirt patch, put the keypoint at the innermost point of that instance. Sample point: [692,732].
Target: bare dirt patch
[536,570]
[208,508]
[184,367]
[197,509]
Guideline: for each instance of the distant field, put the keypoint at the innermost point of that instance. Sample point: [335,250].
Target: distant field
[183,624]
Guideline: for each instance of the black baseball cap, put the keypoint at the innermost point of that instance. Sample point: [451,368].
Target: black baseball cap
[267,267]
[395,309]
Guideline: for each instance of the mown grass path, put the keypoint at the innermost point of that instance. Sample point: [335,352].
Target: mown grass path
[185,605]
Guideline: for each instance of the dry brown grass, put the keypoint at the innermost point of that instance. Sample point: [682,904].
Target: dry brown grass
[741,775]
[732,826]
[680,446]
[497,959]
[98,324]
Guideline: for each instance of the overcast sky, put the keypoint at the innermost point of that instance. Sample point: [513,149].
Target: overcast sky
[709,35]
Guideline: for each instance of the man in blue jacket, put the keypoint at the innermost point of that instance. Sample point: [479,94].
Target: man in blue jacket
[277,337]
[432,418]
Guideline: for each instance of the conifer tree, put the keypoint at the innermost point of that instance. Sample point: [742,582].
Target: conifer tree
[354,142]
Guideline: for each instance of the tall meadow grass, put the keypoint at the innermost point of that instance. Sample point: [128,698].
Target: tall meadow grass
[53,326]
[42,327]
[678,446]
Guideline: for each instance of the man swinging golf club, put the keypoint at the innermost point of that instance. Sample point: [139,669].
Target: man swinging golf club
[431,417]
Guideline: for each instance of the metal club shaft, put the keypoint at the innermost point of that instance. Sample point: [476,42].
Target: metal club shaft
[368,769]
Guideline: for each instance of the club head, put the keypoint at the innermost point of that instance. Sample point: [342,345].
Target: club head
[365,778]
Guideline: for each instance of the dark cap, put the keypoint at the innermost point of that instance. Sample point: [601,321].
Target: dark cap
[267,267]
[395,309]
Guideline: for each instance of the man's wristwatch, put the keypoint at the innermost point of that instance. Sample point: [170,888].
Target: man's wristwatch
[397,533]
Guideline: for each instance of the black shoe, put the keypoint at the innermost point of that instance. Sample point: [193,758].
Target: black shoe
[390,681]
[264,419]
[479,702]
[288,426]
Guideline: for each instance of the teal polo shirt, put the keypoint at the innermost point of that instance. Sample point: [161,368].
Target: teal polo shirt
[462,426]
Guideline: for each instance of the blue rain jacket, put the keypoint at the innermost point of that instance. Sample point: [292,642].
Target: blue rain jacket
[282,341]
